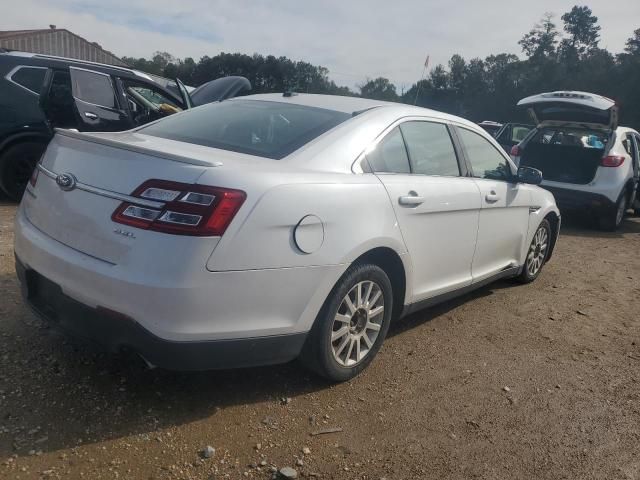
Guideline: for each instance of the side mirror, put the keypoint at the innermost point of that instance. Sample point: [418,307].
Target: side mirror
[529,175]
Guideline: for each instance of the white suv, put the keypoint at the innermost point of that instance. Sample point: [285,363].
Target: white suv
[588,162]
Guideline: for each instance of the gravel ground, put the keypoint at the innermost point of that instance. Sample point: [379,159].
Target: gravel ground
[537,381]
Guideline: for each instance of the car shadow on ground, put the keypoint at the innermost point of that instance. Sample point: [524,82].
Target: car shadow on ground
[584,226]
[70,391]
[73,393]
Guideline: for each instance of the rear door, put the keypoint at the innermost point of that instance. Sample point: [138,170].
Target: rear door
[436,206]
[56,100]
[632,145]
[96,103]
[504,216]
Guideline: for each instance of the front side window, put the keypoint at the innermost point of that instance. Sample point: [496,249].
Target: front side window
[430,148]
[147,103]
[30,78]
[93,87]
[518,133]
[390,154]
[486,161]
[263,128]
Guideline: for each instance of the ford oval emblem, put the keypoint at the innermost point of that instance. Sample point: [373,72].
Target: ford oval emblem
[66,181]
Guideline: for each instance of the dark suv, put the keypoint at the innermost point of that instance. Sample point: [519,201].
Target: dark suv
[39,93]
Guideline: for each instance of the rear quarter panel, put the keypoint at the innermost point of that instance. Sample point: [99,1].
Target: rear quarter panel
[354,210]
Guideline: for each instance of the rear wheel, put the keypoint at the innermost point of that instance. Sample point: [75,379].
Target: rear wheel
[537,253]
[611,220]
[352,324]
[16,165]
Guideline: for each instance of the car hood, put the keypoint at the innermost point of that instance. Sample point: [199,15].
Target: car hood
[219,89]
[567,108]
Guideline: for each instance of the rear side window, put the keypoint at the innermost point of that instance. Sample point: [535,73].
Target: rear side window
[263,128]
[93,87]
[390,154]
[430,148]
[30,78]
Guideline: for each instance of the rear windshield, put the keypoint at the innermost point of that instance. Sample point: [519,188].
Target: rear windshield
[267,129]
[570,137]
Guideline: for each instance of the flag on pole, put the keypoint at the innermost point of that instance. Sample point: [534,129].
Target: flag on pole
[426,62]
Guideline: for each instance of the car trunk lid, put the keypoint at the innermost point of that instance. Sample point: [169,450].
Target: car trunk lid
[575,109]
[84,178]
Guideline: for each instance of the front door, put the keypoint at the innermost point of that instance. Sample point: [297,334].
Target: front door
[437,208]
[504,216]
[96,104]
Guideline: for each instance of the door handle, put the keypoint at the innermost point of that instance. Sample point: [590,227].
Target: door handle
[492,197]
[90,115]
[411,200]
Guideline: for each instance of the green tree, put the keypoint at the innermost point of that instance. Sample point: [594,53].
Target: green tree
[379,89]
[542,39]
[584,33]
[633,44]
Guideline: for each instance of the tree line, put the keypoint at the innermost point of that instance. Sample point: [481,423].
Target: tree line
[566,58]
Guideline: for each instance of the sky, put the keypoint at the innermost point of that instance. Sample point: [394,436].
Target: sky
[354,39]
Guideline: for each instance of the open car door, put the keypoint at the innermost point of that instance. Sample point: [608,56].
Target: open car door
[580,109]
[219,89]
[184,93]
[96,103]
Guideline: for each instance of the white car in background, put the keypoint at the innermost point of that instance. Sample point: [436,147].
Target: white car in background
[589,163]
[270,227]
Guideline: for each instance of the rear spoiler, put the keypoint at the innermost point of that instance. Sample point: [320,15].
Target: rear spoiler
[97,138]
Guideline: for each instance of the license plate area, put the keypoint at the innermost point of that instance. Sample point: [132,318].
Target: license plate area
[43,294]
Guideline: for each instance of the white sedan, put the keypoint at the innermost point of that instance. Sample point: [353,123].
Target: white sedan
[269,227]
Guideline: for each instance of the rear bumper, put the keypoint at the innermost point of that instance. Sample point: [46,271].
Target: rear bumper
[177,299]
[576,200]
[117,332]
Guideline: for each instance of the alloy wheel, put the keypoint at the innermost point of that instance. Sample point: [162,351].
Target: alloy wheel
[357,323]
[537,251]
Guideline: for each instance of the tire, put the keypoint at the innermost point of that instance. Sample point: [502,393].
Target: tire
[537,253]
[337,360]
[16,165]
[610,221]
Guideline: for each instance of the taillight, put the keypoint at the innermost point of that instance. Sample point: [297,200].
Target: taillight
[515,151]
[612,161]
[184,209]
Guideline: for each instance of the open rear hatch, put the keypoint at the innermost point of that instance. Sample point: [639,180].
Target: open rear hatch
[576,109]
[84,179]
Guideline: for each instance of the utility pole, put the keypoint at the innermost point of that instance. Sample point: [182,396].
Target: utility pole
[424,70]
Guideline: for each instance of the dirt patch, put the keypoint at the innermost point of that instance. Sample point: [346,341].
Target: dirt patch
[536,381]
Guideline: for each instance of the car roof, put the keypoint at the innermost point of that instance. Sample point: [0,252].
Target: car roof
[354,105]
[40,59]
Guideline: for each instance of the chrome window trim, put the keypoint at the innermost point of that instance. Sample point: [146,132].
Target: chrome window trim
[106,193]
[356,166]
[17,68]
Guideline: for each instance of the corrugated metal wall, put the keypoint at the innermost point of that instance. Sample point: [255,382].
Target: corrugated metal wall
[60,43]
